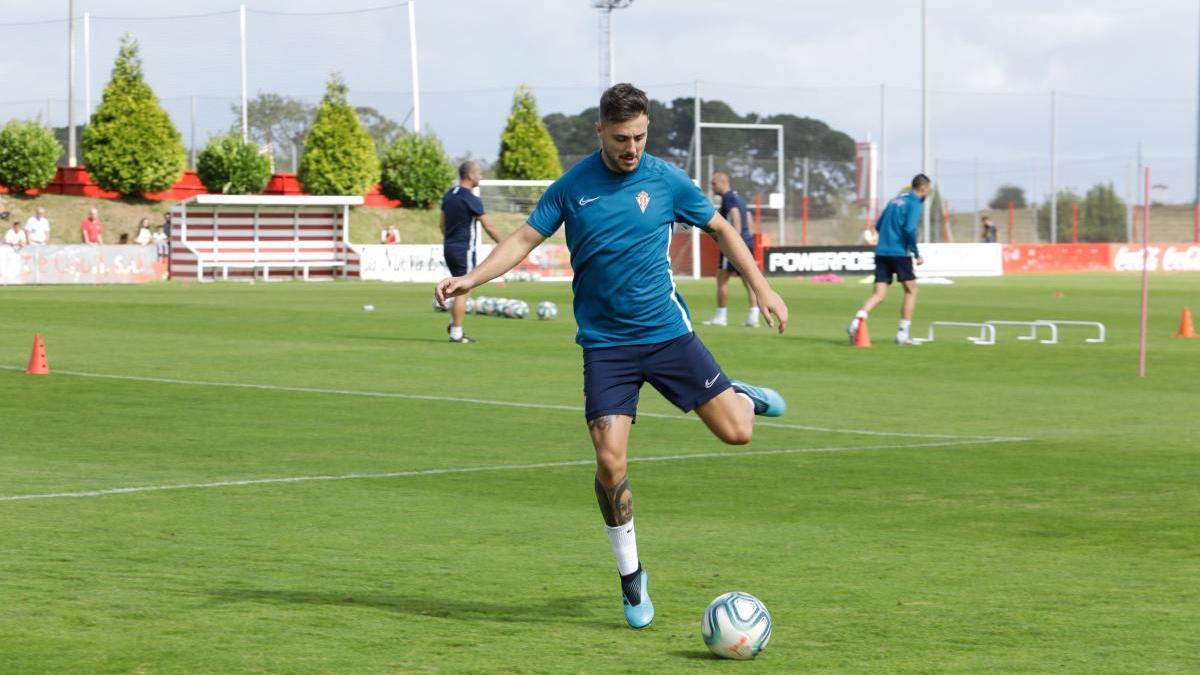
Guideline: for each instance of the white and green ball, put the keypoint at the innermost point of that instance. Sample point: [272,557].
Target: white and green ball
[736,625]
[546,310]
[520,310]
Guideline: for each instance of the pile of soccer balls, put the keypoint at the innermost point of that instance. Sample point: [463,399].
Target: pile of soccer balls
[503,307]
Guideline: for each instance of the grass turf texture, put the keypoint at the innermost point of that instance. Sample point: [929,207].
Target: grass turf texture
[1075,551]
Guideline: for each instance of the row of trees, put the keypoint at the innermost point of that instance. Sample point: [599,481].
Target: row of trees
[131,147]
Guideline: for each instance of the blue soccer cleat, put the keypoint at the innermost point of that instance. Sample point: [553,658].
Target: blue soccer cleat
[767,401]
[635,594]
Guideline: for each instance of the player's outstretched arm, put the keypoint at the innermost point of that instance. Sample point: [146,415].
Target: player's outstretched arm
[731,244]
[507,254]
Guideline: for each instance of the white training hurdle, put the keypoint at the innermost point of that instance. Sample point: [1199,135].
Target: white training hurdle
[987,332]
[1033,329]
[1100,330]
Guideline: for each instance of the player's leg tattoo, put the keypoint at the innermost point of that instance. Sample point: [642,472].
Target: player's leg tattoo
[616,503]
[603,423]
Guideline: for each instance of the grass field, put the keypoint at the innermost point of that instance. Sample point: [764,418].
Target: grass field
[324,490]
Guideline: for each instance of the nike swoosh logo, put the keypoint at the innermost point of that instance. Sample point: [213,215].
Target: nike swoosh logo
[709,383]
[585,202]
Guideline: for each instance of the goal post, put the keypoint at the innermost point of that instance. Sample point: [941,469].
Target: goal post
[775,200]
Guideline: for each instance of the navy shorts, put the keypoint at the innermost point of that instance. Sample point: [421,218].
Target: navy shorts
[460,261]
[682,370]
[888,265]
[725,264]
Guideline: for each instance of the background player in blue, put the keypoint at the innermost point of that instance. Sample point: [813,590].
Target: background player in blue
[619,205]
[733,208]
[897,227]
[461,208]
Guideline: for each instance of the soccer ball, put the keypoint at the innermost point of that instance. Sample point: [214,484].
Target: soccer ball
[498,306]
[485,305]
[520,309]
[470,305]
[547,310]
[439,307]
[736,626]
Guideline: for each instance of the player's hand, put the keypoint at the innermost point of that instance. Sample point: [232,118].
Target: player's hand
[770,303]
[451,287]
[920,260]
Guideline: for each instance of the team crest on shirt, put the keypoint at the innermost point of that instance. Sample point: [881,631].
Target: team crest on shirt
[643,200]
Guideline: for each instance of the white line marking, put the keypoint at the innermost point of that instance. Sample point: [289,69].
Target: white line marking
[482,469]
[507,404]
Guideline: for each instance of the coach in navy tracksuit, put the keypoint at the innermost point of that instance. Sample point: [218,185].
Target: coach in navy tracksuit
[461,209]
[897,227]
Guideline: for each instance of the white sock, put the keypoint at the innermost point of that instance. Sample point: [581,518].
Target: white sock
[456,332]
[753,317]
[624,544]
[858,319]
[904,324]
[720,314]
[860,315]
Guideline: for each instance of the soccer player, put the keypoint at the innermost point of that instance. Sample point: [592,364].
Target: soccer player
[461,209]
[733,209]
[619,205]
[897,227]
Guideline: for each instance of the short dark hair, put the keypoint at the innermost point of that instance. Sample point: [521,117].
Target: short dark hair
[623,102]
[920,180]
[464,169]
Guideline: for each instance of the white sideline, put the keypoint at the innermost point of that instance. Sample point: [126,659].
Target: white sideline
[507,404]
[482,469]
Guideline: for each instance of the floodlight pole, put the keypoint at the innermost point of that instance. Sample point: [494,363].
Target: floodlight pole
[1053,171]
[608,59]
[70,85]
[412,53]
[924,118]
[245,118]
[696,135]
[87,67]
[882,146]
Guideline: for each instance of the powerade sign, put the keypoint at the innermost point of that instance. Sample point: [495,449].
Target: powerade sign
[808,260]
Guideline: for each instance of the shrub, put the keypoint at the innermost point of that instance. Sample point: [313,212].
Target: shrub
[28,156]
[130,145]
[416,170]
[339,155]
[227,165]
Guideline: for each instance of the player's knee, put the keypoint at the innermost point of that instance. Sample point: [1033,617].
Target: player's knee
[610,466]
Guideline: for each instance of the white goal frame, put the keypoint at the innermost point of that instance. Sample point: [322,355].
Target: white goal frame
[774,201]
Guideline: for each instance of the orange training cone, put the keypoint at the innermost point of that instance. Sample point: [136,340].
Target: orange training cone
[1186,329]
[37,359]
[862,338]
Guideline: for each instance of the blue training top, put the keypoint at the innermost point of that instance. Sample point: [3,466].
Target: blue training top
[461,207]
[731,201]
[897,226]
[619,235]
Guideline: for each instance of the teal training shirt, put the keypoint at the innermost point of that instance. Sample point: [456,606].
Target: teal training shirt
[897,226]
[619,235]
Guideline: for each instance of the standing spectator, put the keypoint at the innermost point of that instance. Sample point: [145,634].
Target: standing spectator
[91,229]
[142,237]
[989,230]
[390,235]
[160,243]
[15,237]
[37,228]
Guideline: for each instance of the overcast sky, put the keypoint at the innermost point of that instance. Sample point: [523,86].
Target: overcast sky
[1126,72]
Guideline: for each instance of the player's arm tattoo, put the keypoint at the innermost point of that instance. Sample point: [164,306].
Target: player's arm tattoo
[616,503]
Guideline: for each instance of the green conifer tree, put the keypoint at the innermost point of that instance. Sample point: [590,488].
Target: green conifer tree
[339,156]
[527,151]
[130,146]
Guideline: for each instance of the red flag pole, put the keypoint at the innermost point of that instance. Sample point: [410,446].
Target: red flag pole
[804,220]
[1145,278]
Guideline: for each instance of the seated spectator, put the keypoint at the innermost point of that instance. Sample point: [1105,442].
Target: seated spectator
[143,234]
[390,235]
[15,237]
[91,229]
[37,228]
